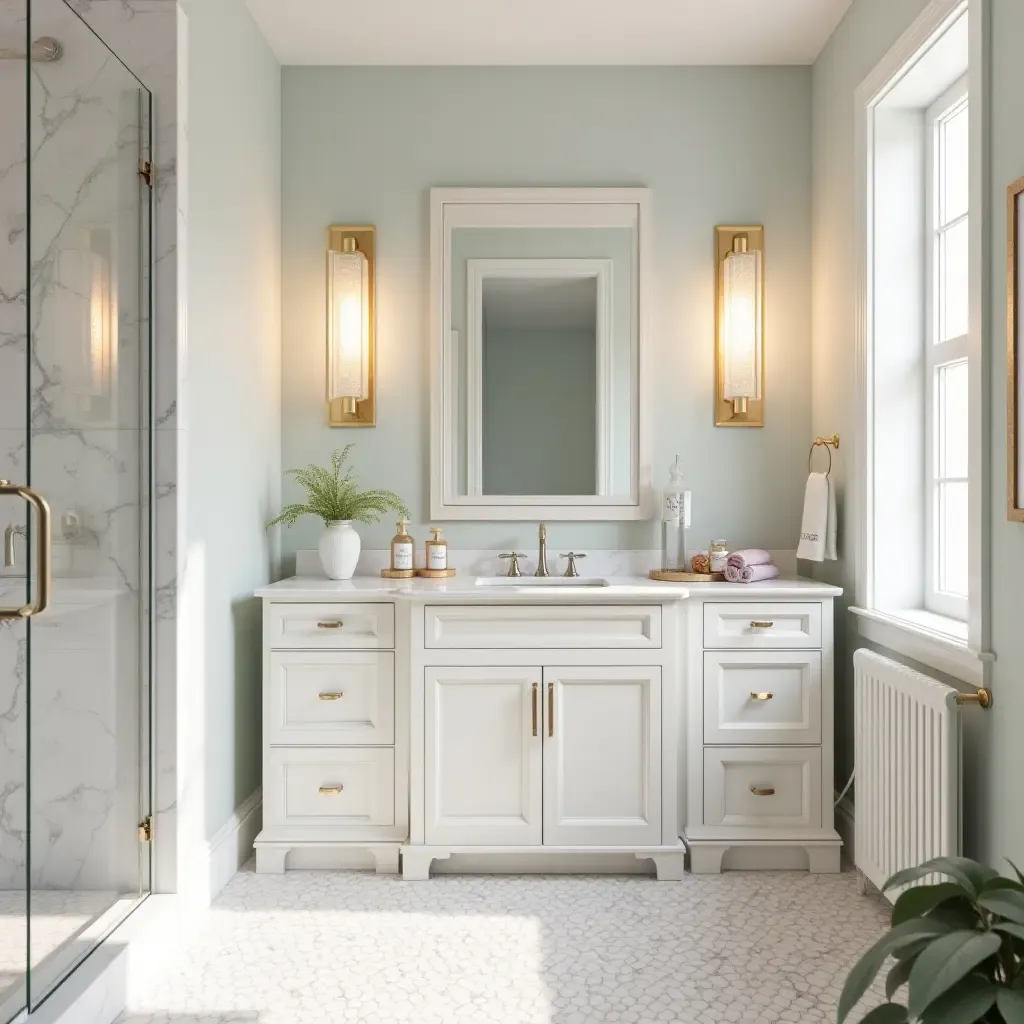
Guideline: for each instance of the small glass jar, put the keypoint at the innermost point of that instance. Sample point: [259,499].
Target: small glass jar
[718,555]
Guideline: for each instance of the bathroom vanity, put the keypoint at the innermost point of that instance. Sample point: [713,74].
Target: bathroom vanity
[526,722]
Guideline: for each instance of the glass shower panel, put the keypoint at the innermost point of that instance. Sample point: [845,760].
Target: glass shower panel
[13,586]
[87,454]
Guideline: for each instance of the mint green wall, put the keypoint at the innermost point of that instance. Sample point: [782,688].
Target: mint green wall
[994,741]
[229,406]
[715,145]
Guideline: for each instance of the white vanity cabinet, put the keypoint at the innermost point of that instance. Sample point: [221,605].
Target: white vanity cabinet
[760,728]
[495,729]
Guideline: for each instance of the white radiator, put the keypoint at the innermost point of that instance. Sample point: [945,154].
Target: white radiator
[907,752]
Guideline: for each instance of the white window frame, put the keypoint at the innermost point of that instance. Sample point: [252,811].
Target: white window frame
[938,353]
[919,634]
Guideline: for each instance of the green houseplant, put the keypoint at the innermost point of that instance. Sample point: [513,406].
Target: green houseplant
[336,498]
[958,948]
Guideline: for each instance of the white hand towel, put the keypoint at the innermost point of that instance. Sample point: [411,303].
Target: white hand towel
[818,532]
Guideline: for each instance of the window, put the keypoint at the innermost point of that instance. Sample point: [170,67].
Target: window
[946,354]
[920,493]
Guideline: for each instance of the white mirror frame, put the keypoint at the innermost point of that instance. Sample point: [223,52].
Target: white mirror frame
[542,208]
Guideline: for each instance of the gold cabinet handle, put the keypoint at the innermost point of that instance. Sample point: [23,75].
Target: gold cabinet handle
[43,542]
[331,696]
[330,625]
[761,696]
[330,790]
[551,709]
[761,625]
[763,790]
[533,708]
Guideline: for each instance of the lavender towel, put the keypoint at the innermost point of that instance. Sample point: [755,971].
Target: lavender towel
[750,556]
[750,573]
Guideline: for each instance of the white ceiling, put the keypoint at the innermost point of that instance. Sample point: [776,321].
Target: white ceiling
[503,32]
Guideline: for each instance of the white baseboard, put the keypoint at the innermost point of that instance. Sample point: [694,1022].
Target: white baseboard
[218,859]
[845,814]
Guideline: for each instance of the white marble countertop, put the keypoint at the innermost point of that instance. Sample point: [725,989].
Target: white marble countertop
[629,589]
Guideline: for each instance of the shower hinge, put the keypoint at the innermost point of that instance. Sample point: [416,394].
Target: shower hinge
[146,830]
[146,172]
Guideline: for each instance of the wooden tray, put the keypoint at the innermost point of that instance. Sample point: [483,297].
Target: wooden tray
[669,576]
[435,574]
[398,574]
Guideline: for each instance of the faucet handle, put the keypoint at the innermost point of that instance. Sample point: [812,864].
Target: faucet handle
[570,569]
[514,556]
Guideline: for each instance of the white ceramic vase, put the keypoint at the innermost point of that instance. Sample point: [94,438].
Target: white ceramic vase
[339,550]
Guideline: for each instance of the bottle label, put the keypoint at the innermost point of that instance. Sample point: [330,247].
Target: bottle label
[437,556]
[676,508]
[402,556]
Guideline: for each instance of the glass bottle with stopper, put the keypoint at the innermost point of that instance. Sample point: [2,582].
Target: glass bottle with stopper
[675,521]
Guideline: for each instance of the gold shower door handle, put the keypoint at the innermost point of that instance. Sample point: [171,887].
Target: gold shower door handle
[43,542]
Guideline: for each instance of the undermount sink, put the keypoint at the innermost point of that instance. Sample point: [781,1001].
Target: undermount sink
[541,581]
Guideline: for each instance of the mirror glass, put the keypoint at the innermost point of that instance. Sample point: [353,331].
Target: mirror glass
[540,366]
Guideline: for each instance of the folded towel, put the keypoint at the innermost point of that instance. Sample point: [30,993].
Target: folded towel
[818,531]
[750,573]
[749,556]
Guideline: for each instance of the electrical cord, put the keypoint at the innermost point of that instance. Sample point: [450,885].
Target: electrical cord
[846,788]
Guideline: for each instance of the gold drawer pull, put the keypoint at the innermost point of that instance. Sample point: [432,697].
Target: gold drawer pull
[330,790]
[551,709]
[331,696]
[761,625]
[533,701]
[761,696]
[763,790]
[330,625]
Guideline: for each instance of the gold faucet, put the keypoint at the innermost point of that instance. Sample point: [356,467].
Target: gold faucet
[10,555]
[542,557]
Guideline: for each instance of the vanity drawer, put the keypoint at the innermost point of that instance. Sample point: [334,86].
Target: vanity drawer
[334,626]
[329,786]
[765,787]
[331,697]
[539,626]
[762,697]
[762,626]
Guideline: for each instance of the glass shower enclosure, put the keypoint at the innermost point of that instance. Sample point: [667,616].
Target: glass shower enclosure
[75,508]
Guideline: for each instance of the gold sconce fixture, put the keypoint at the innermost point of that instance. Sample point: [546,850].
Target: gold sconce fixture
[351,327]
[739,359]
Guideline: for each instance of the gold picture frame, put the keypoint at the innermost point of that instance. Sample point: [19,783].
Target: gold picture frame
[1015,351]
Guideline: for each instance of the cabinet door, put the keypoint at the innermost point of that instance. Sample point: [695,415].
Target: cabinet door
[483,756]
[602,756]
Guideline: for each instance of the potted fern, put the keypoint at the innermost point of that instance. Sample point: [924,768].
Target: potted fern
[336,498]
[958,947]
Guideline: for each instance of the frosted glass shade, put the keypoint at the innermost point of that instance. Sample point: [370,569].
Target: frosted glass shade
[100,335]
[741,326]
[349,319]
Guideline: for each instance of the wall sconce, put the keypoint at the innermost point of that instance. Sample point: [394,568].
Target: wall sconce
[351,334]
[739,363]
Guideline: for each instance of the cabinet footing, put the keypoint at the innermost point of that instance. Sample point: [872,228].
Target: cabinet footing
[272,855]
[669,861]
[707,856]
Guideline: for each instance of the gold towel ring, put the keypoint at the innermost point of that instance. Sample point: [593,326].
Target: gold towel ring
[828,443]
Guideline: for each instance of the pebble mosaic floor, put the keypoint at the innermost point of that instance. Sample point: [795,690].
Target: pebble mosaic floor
[354,947]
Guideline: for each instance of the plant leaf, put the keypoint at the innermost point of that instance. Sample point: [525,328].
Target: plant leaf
[864,971]
[898,976]
[1010,1002]
[969,873]
[917,901]
[1016,870]
[965,1003]
[1006,903]
[944,963]
[887,1013]
[958,915]
[1016,930]
[999,882]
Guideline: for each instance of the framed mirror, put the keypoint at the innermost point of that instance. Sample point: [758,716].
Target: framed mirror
[537,306]
[1015,351]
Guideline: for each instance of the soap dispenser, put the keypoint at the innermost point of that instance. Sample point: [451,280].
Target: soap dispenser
[437,551]
[675,521]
